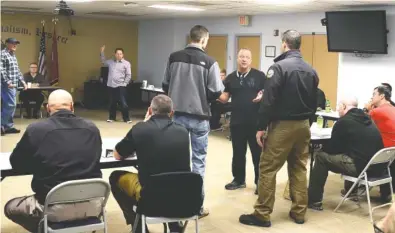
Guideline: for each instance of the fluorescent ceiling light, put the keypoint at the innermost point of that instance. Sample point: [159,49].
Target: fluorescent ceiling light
[78,0]
[283,2]
[176,7]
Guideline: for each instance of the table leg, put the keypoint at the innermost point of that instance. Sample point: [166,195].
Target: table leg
[311,159]
[325,123]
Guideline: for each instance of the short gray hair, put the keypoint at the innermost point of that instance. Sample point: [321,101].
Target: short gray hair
[292,38]
[161,105]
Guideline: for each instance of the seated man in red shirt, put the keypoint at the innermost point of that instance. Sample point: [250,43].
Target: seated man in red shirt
[383,114]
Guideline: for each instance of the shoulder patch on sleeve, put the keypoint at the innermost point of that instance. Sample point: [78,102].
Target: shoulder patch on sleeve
[270,73]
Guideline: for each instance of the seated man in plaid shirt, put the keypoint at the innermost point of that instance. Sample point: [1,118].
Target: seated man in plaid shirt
[10,78]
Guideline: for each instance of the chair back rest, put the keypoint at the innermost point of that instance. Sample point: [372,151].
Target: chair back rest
[383,156]
[172,195]
[78,191]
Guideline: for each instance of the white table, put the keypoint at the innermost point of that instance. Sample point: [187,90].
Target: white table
[318,136]
[334,116]
[154,90]
[105,162]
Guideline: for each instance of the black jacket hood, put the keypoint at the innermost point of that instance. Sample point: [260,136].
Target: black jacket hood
[359,115]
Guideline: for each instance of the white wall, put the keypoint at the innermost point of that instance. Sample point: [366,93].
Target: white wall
[158,38]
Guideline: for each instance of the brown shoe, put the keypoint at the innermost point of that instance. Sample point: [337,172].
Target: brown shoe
[203,213]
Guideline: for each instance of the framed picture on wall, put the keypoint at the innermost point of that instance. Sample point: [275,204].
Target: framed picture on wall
[270,51]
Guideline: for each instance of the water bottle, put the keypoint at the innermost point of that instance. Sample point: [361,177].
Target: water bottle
[328,106]
[320,122]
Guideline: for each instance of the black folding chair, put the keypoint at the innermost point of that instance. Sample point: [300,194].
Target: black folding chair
[170,197]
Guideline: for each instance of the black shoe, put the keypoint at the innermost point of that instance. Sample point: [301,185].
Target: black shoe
[256,191]
[235,185]
[296,220]
[12,130]
[316,206]
[176,227]
[385,198]
[252,220]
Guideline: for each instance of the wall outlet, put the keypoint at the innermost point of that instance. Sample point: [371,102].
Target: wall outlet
[72,90]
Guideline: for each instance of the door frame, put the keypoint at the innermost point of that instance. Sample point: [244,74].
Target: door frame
[237,43]
[227,46]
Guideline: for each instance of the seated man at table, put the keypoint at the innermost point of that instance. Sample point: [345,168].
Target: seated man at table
[161,146]
[33,95]
[383,115]
[354,141]
[60,148]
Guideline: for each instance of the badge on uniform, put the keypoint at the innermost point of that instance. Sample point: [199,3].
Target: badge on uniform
[270,73]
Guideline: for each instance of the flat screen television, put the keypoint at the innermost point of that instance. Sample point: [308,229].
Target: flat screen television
[357,31]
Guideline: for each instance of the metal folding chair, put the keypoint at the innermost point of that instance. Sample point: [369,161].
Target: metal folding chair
[74,192]
[384,156]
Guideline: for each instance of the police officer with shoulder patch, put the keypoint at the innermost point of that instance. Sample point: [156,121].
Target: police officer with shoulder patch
[289,100]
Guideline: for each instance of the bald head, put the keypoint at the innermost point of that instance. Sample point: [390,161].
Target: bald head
[347,103]
[60,100]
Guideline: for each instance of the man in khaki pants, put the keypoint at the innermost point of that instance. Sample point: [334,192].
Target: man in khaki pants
[284,130]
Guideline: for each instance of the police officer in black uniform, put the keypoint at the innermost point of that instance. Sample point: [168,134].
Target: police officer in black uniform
[289,100]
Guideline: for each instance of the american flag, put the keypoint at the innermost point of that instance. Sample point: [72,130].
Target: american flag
[41,56]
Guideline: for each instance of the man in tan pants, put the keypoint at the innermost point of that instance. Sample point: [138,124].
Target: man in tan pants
[284,131]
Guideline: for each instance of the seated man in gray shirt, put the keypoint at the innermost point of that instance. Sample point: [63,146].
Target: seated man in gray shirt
[119,76]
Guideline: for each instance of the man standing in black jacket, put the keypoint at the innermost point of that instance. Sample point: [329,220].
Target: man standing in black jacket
[289,100]
[60,148]
[354,141]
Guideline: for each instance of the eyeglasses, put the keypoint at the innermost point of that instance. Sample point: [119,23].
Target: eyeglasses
[33,67]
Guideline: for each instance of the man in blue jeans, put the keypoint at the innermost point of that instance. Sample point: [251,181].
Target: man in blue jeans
[10,78]
[192,80]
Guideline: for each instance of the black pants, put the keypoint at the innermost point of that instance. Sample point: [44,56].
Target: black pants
[126,203]
[32,96]
[217,109]
[241,135]
[118,95]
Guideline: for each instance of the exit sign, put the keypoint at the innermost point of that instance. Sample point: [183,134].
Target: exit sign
[244,20]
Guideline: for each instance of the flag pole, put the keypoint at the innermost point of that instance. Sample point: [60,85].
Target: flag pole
[54,56]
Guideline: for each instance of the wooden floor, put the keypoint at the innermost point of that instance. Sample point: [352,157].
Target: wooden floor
[225,206]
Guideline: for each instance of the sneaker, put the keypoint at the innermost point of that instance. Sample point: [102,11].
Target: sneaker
[235,185]
[203,213]
[128,122]
[252,220]
[12,130]
[316,206]
[110,121]
[296,220]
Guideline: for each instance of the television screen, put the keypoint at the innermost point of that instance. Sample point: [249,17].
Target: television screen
[357,31]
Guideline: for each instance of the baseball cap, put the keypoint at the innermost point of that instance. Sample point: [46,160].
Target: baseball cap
[12,41]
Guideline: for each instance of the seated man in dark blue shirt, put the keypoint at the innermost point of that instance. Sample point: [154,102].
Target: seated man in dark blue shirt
[34,78]
[61,148]
[161,146]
